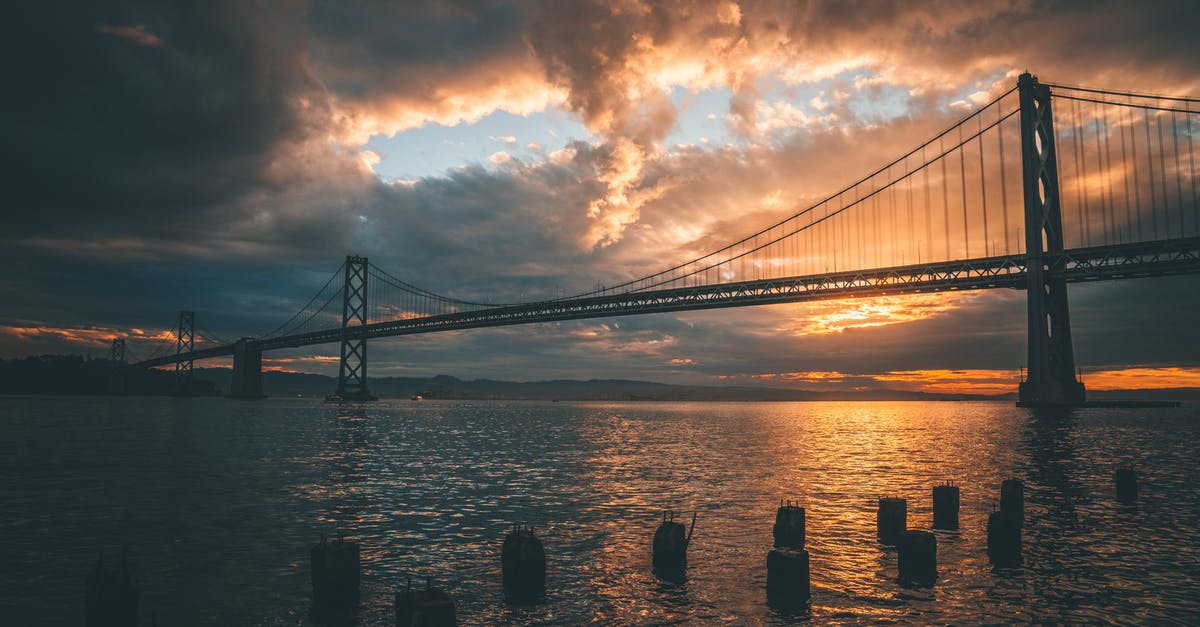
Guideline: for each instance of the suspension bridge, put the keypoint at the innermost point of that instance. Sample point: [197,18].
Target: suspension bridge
[1046,185]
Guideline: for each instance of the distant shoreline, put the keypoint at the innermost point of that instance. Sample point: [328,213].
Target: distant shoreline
[72,375]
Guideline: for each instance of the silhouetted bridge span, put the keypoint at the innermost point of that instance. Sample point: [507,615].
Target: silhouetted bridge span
[1127,205]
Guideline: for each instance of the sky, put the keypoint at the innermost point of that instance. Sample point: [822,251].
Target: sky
[224,157]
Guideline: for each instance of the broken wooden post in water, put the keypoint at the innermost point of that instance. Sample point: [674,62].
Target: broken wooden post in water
[523,566]
[335,574]
[945,506]
[788,584]
[1127,488]
[424,608]
[891,519]
[917,557]
[1012,499]
[670,545]
[789,526]
[111,594]
[1004,538]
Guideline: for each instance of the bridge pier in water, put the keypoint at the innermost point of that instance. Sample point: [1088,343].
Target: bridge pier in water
[352,367]
[1051,367]
[247,370]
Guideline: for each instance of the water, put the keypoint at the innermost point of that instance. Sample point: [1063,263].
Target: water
[219,502]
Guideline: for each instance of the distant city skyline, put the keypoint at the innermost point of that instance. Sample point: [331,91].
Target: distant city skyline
[224,159]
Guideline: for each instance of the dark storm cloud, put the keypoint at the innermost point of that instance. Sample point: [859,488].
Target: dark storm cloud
[108,136]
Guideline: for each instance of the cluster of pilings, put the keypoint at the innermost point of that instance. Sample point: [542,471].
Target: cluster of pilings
[112,590]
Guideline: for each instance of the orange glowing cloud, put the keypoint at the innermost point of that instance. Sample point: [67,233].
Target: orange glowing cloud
[80,336]
[1143,378]
[952,381]
[294,364]
[835,316]
[134,34]
[83,336]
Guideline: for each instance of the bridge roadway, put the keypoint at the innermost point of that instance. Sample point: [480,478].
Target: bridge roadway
[1098,263]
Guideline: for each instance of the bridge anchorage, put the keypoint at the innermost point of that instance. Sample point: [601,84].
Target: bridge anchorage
[1108,190]
[247,370]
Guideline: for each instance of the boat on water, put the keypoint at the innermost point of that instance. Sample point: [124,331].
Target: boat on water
[417,397]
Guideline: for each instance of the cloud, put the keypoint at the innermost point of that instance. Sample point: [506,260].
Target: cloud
[135,34]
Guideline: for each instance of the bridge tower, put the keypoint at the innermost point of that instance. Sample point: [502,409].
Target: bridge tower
[352,370]
[117,363]
[117,354]
[1051,368]
[247,370]
[185,342]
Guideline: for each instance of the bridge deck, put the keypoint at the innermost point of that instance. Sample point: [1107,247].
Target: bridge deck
[1123,261]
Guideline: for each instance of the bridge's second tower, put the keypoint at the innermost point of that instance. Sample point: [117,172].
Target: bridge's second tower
[352,370]
[185,342]
[1051,379]
[117,367]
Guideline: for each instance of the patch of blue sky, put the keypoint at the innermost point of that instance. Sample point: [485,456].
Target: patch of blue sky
[703,116]
[700,119]
[434,149]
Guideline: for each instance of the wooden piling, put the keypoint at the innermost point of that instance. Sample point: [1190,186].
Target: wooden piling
[1012,499]
[891,519]
[1127,487]
[945,506]
[112,594]
[424,608]
[1004,538]
[789,526]
[917,557]
[523,566]
[335,574]
[671,541]
[788,584]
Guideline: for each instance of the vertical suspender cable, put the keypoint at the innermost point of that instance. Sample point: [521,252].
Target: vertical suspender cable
[945,197]
[962,173]
[1162,170]
[1192,162]
[928,218]
[910,236]
[1100,179]
[1137,179]
[1178,171]
[983,189]
[1083,181]
[1108,177]
[892,222]
[1003,186]
[1150,161]
[1077,173]
[1125,179]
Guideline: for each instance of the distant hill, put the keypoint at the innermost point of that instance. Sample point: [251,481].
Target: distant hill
[448,387]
